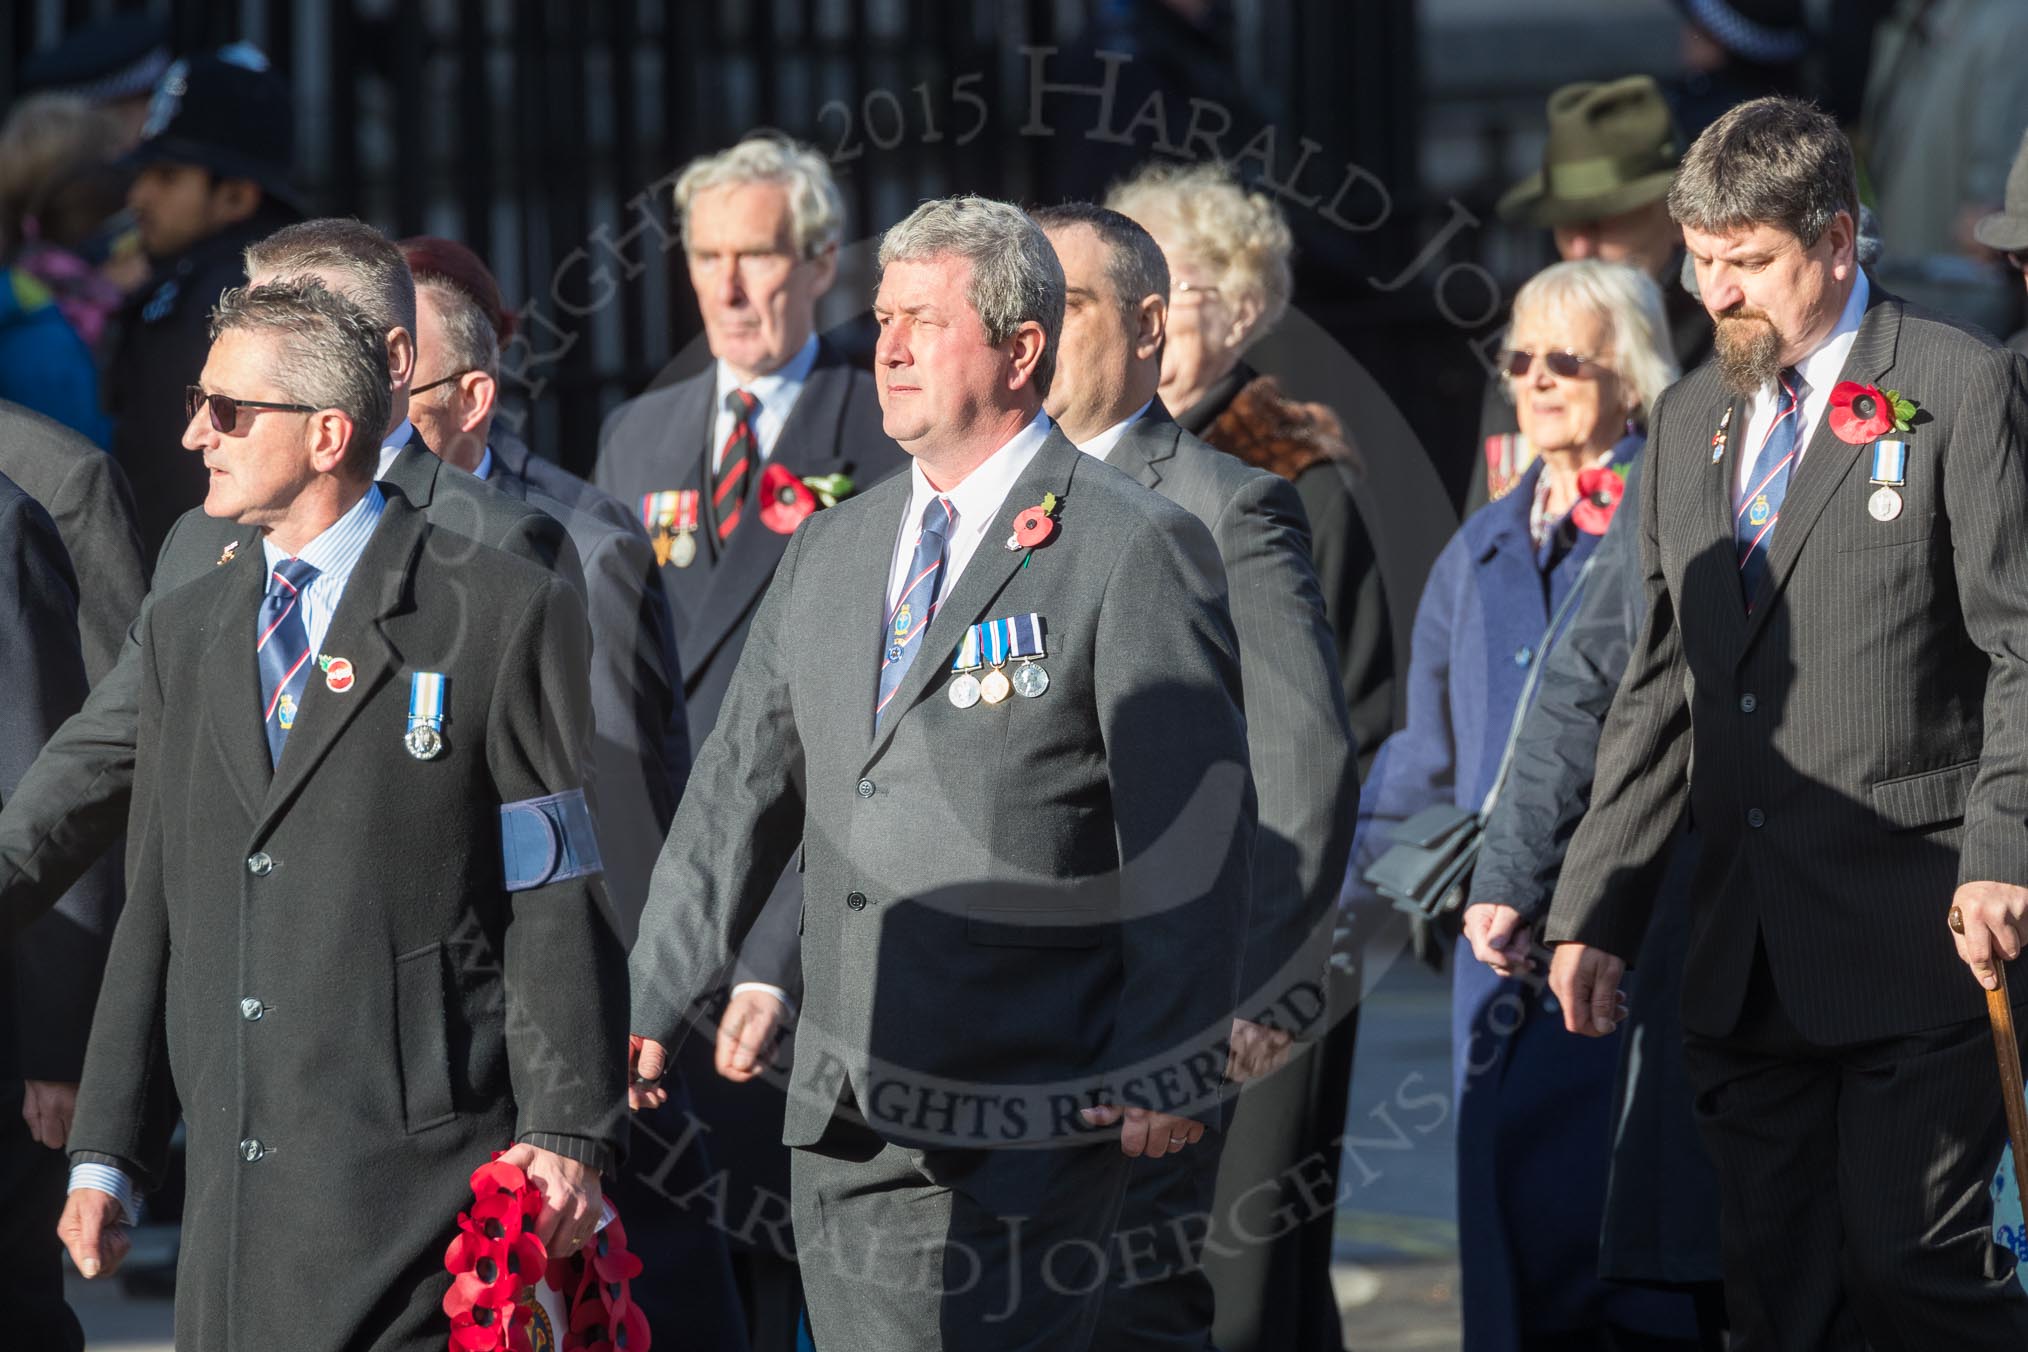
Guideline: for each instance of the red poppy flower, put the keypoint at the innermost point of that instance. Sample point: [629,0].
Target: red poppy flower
[479,1329]
[784,500]
[494,1176]
[1599,490]
[1860,413]
[609,1256]
[1034,527]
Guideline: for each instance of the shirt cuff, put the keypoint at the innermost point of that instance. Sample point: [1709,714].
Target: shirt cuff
[584,1150]
[112,1181]
[776,991]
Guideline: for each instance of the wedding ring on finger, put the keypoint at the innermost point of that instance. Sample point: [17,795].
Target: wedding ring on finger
[1957,920]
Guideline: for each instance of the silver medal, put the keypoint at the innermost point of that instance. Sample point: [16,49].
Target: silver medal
[424,742]
[1030,680]
[964,691]
[1885,504]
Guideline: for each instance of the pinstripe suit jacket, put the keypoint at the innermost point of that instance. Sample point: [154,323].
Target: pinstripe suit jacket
[1296,724]
[1860,739]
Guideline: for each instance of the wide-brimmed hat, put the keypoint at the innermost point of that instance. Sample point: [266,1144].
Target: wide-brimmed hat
[1611,148]
[226,112]
[2007,228]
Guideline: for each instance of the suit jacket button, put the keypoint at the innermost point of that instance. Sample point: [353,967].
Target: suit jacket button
[1747,704]
[1755,817]
[251,1009]
[855,900]
[865,788]
[260,864]
[251,1150]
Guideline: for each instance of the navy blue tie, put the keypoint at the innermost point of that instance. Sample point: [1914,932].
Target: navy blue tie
[284,650]
[1760,507]
[901,637]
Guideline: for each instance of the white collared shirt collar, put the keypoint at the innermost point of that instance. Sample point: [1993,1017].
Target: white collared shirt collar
[391,446]
[1102,445]
[1820,371]
[775,395]
[985,518]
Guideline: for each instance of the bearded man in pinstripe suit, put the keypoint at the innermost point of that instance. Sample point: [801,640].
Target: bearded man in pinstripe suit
[1837,640]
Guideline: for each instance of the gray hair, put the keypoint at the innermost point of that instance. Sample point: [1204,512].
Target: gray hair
[1016,278]
[469,342]
[1771,161]
[328,353]
[375,276]
[816,210]
[1239,235]
[1631,305]
[1134,262]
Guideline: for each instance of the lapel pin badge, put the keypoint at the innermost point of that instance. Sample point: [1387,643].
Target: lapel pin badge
[338,673]
[225,555]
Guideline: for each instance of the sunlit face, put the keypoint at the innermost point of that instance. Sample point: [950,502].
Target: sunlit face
[938,376]
[1773,299]
[757,294]
[1206,331]
[259,468]
[1643,238]
[439,413]
[1095,356]
[175,206]
[1585,412]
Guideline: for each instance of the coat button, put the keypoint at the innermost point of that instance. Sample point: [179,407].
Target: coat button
[856,900]
[251,1009]
[1755,817]
[260,864]
[251,1149]
[865,788]
[1747,704]
[1522,655]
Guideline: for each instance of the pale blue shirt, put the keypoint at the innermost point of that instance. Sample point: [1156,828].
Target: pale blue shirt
[391,446]
[334,553]
[776,393]
[485,467]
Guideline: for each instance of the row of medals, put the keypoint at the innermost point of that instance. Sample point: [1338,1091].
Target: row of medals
[1028,681]
[678,547]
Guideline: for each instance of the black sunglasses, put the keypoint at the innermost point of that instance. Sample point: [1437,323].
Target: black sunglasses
[1517,363]
[225,409]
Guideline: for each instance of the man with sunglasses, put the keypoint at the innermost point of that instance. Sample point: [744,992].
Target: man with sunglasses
[2006,230]
[386,990]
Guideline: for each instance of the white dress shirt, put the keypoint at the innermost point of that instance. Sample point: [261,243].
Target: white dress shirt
[980,501]
[776,394]
[1819,371]
[334,553]
[1102,444]
[391,444]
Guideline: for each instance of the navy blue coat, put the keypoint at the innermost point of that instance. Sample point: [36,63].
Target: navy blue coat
[1534,1103]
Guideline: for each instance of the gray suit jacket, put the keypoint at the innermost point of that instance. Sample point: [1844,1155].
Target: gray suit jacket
[642,745]
[53,967]
[83,488]
[1858,738]
[1039,897]
[72,804]
[1300,744]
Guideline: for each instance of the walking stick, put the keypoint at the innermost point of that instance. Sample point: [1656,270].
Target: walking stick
[2008,1047]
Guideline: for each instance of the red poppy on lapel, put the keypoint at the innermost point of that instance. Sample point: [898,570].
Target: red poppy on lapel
[1599,490]
[1862,413]
[784,500]
[1034,526]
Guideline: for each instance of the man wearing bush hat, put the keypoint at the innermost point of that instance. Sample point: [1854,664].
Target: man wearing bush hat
[2006,231]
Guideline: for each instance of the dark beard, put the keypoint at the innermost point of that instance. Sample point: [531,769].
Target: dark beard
[1748,351]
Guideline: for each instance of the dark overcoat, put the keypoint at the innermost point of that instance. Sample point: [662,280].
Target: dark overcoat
[321,960]
[1531,1185]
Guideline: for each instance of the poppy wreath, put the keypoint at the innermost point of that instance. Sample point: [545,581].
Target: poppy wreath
[1862,413]
[1599,490]
[496,1263]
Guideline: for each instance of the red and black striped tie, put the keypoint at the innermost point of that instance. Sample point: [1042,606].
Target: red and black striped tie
[736,461]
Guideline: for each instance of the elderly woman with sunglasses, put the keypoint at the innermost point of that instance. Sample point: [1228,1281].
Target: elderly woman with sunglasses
[1590,352]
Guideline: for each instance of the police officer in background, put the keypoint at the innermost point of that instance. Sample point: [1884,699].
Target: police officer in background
[212,176]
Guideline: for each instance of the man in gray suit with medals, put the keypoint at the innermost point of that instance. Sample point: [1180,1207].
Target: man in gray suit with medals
[997,702]
[1837,639]
[1103,398]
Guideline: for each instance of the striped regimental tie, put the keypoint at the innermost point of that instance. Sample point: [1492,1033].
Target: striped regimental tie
[902,638]
[284,650]
[1761,506]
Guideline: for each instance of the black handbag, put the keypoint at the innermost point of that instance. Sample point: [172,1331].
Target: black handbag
[1427,869]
